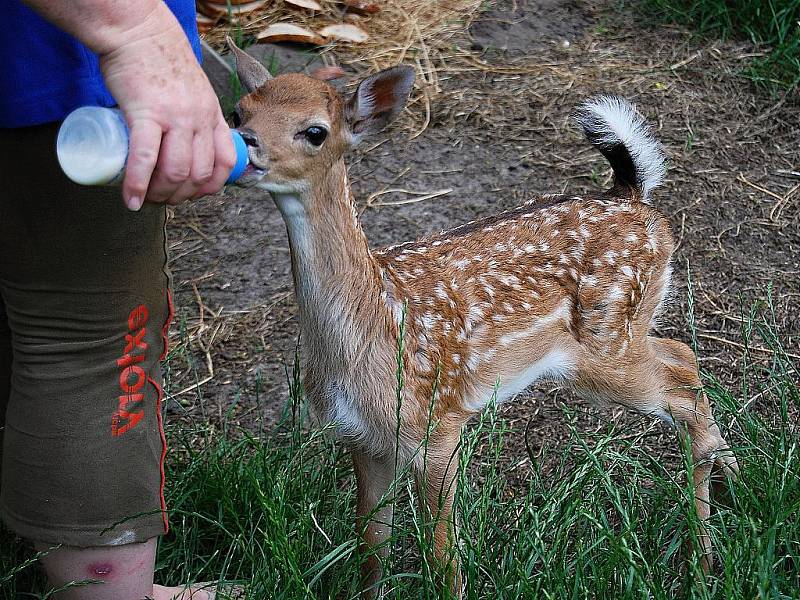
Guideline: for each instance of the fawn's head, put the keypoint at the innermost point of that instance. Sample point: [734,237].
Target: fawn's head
[297,127]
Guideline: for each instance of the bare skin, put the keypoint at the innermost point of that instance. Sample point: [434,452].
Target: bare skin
[126,572]
[180,148]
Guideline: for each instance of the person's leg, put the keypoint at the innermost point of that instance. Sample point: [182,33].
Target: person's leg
[85,291]
[5,372]
[125,571]
[121,572]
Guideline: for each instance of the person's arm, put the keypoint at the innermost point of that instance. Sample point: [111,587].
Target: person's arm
[180,144]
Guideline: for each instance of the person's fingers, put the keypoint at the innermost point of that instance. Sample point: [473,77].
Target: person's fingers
[202,167]
[224,160]
[145,141]
[202,157]
[174,164]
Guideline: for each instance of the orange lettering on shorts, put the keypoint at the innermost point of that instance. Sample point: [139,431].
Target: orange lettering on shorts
[138,317]
[135,341]
[125,379]
[132,377]
[123,419]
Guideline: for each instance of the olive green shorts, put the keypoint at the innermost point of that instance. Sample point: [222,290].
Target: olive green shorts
[84,311]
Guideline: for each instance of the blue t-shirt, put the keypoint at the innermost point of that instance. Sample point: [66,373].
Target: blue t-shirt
[46,73]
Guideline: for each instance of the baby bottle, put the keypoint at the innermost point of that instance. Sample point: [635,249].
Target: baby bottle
[92,147]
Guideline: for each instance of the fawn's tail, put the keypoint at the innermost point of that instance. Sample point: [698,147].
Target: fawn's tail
[620,133]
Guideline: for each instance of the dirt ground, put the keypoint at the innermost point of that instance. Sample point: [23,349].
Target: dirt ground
[500,132]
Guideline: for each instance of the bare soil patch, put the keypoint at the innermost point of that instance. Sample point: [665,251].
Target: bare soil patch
[497,131]
[522,28]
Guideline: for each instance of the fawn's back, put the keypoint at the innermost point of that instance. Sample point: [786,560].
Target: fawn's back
[495,304]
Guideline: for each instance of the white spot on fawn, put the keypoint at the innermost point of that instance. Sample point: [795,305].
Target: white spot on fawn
[461,263]
[561,313]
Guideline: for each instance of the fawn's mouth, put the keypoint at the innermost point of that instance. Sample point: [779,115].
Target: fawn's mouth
[257,164]
[251,176]
[255,170]
[256,160]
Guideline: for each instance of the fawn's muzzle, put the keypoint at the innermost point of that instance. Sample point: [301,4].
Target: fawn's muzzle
[258,161]
[254,149]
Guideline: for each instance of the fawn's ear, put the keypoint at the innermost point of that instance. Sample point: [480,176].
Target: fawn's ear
[252,74]
[378,99]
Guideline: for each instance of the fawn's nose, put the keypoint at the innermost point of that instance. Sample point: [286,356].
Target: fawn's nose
[250,138]
[254,150]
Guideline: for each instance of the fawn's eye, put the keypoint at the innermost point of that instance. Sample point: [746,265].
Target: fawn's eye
[316,135]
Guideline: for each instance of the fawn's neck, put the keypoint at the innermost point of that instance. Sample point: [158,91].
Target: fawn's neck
[338,282]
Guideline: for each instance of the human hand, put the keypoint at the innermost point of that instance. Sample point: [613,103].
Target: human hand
[180,145]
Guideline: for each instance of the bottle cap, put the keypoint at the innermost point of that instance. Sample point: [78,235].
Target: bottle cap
[242,158]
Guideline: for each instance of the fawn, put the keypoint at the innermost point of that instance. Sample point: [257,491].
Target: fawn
[562,288]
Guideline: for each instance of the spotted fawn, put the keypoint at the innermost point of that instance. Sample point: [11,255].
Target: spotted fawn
[563,288]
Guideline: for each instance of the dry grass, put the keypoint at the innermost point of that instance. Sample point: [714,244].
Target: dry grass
[415,32]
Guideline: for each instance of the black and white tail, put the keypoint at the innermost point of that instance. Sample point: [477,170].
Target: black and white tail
[620,133]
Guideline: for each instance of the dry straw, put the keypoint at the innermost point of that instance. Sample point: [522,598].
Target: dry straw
[415,32]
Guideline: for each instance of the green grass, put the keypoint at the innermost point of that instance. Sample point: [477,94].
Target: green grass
[598,517]
[773,24]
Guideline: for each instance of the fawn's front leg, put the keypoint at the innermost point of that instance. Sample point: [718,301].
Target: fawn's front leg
[436,486]
[374,511]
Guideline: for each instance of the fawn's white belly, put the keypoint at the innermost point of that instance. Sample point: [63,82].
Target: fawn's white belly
[554,365]
[343,406]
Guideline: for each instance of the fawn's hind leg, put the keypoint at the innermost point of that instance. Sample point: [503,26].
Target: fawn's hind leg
[688,405]
[681,362]
[659,377]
